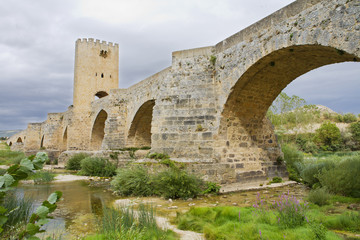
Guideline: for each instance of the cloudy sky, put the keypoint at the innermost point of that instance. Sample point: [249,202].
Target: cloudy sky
[38,38]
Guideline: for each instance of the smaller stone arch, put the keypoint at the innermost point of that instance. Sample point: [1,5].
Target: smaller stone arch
[101,94]
[65,139]
[19,140]
[10,144]
[42,142]
[98,130]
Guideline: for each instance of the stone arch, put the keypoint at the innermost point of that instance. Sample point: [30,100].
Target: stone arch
[139,134]
[98,130]
[19,140]
[64,139]
[42,142]
[10,144]
[248,139]
[101,94]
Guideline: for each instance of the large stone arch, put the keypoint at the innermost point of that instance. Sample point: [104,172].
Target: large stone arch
[248,140]
[139,134]
[98,130]
[19,140]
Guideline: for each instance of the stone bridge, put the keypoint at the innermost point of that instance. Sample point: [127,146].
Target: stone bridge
[208,108]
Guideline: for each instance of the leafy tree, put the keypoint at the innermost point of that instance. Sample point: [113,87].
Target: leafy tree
[328,137]
[355,131]
[349,118]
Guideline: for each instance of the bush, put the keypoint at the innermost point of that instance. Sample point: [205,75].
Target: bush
[328,137]
[176,183]
[319,196]
[355,131]
[74,163]
[211,187]
[134,181]
[276,180]
[97,167]
[344,178]
[293,158]
[311,171]
[349,118]
[291,213]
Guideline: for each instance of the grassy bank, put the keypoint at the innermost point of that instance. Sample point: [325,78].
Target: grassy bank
[8,157]
[126,223]
[291,219]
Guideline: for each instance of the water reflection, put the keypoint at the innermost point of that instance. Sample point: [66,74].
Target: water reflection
[77,200]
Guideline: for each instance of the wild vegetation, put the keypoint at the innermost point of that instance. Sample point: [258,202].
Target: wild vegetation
[15,220]
[170,181]
[294,120]
[127,223]
[8,157]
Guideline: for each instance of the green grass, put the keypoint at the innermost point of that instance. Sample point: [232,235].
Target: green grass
[243,223]
[127,223]
[8,157]
[43,177]
[18,212]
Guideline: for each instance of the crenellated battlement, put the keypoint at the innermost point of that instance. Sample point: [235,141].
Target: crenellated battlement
[96,42]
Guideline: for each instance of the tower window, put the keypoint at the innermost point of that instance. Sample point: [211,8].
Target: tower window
[102,75]
[95,74]
[110,75]
[103,53]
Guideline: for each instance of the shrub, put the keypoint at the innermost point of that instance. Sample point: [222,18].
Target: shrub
[177,183]
[133,181]
[344,178]
[276,180]
[97,167]
[319,196]
[291,213]
[310,147]
[355,131]
[310,171]
[328,137]
[349,118]
[318,230]
[293,158]
[211,187]
[74,163]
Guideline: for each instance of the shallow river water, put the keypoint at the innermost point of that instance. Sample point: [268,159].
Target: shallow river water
[77,212]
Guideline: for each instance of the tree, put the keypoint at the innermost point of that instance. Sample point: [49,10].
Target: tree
[355,131]
[328,137]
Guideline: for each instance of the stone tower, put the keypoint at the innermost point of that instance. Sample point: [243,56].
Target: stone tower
[96,71]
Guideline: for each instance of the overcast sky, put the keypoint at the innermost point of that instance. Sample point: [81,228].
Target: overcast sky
[37,45]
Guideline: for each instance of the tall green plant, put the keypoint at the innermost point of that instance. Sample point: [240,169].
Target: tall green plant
[14,174]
